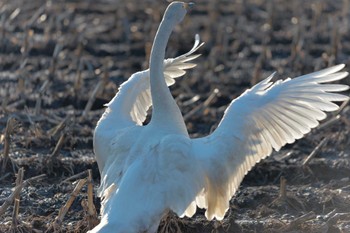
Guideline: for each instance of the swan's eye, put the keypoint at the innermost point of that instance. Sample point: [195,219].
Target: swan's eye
[188,6]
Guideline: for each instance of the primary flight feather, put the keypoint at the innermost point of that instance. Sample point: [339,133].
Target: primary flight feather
[129,107]
[148,170]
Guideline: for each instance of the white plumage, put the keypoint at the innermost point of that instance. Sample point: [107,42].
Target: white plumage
[131,105]
[147,170]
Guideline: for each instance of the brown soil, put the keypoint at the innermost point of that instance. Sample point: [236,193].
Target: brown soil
[53,54]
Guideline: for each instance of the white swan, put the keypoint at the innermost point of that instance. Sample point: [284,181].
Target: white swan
[147,170]
[129,108]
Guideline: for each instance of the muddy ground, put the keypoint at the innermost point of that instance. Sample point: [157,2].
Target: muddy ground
[60,61]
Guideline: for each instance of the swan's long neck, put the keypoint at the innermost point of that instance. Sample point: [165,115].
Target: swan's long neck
[166,113]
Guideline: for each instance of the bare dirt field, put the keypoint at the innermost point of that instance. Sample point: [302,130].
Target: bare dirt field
[60,61]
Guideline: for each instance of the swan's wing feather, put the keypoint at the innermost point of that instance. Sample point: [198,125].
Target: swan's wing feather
[266,117]
[134,98]
[112,154]
[129,108]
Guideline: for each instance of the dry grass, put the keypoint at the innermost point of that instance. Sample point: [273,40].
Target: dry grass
[60,61]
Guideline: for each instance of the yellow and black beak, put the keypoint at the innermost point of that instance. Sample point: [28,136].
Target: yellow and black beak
[188,6]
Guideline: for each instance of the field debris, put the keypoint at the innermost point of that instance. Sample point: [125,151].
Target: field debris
[6,160]
[61,61]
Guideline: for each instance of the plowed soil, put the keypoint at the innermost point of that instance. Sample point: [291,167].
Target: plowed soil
[60,61]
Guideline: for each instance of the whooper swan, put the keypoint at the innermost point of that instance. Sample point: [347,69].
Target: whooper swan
[147,170]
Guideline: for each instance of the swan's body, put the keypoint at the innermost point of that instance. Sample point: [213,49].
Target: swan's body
[147,170]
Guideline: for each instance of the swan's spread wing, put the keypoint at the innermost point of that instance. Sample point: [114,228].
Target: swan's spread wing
[175,67]
[267,116]
[129,108]
[134,96]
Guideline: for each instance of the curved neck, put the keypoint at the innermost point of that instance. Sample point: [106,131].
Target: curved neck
[165,113]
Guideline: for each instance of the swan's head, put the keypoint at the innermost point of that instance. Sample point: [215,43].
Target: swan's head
[176,11]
